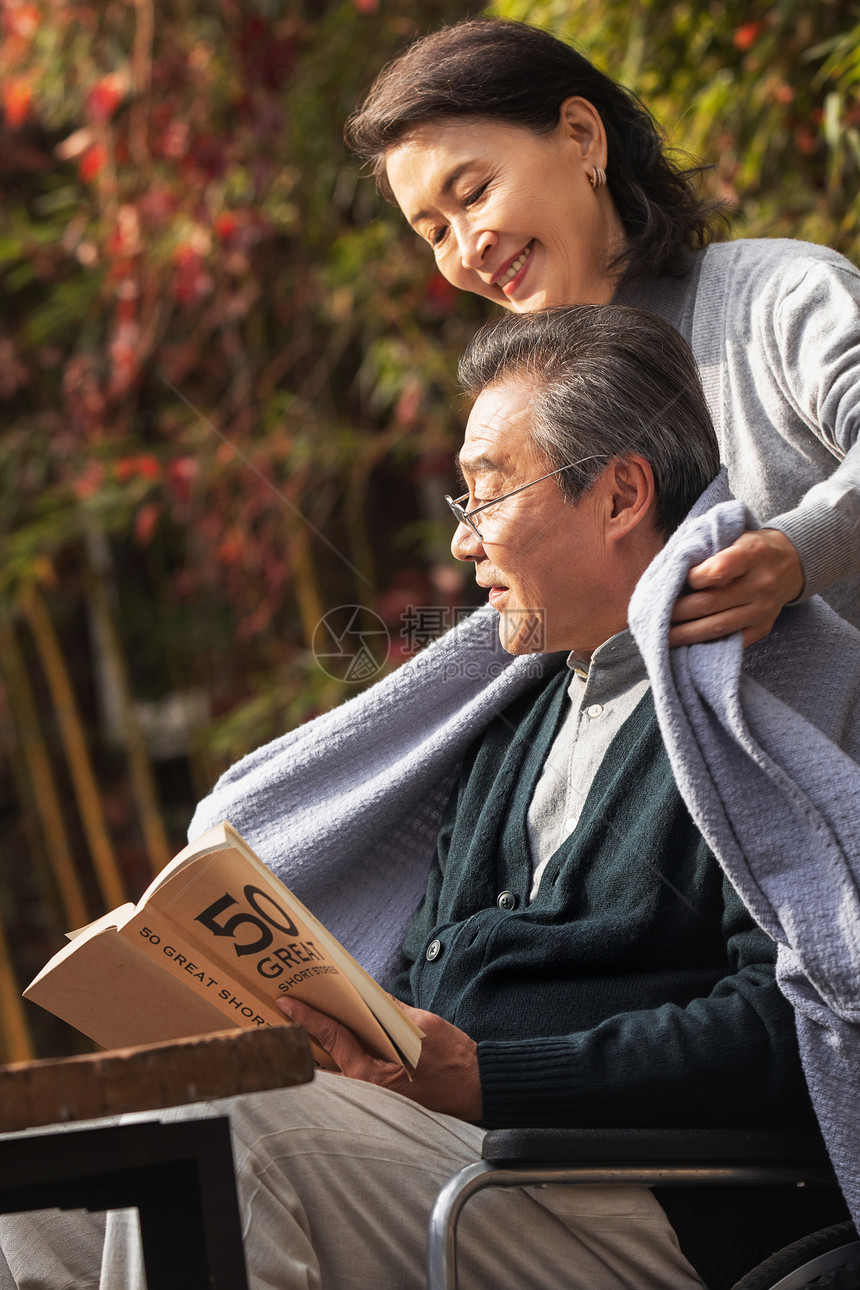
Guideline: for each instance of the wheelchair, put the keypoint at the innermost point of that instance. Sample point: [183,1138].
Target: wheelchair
[828,1259]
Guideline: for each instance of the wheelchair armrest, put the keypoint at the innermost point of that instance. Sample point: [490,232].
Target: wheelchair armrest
[803,1148]
[647,1157]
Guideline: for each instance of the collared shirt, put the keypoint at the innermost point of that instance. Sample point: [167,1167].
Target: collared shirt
[603,693]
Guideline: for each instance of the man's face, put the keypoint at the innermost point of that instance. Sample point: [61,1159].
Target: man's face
[546,564]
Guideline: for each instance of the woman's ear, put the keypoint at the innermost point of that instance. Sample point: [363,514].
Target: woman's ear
[580,122]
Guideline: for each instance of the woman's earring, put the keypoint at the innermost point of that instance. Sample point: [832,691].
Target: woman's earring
[597,178]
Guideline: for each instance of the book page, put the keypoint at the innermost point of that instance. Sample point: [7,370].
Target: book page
[117,997]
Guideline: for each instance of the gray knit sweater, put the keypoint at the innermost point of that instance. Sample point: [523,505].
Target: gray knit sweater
[775,328]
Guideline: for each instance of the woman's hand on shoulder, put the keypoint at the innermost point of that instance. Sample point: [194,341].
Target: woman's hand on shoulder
[740,589]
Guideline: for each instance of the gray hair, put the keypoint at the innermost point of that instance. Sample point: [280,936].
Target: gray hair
[608,381]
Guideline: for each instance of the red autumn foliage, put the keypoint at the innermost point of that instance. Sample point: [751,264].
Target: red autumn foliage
[21,20]
[439,293]
[105,97]
[192,280]
[17,96]
[146,522]
[142,466]
[92,162]
[268,54]
[91,481]
[181,474]
[225,226]
[747,34]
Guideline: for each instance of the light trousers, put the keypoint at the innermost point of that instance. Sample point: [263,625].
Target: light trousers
[336,1180]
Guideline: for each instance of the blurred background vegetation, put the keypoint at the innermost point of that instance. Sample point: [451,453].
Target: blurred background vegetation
[227,395]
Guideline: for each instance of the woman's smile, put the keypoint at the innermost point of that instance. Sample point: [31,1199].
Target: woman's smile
[511,277]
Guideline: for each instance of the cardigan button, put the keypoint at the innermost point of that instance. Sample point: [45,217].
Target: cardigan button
[506,900]
[434,949]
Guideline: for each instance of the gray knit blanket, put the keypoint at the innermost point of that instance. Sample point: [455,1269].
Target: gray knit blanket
[346,808]
[764,744]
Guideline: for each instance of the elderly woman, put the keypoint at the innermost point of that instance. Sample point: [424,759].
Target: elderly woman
[536,181]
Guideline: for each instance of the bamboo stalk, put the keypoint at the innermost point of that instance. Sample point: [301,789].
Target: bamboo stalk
[45,795]
[110,880]
[15,1014]
[307,591]
[141,80]
[17,1041]
[140,770]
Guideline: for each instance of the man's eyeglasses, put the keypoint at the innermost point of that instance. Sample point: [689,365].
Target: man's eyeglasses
[462,516]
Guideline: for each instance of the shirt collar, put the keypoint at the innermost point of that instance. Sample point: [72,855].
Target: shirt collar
[616,663]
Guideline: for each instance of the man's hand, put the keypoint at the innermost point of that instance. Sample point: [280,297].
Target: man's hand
[446,1078]
[741,589]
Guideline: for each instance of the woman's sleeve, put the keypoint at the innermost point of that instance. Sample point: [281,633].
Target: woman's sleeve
[814,344]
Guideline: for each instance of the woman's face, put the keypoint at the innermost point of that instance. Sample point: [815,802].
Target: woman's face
[510,214]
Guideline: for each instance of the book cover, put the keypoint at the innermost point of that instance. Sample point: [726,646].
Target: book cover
[214,941]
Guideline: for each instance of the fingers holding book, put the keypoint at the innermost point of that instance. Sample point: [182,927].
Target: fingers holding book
[446,1078]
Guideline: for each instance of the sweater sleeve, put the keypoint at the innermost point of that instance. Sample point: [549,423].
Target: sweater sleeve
[729,1058]
[816,342]
[777,338]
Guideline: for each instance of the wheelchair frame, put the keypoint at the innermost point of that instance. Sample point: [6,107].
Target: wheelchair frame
[610,1157]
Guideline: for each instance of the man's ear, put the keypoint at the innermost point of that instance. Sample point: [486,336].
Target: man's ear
[630,498]
[581,122]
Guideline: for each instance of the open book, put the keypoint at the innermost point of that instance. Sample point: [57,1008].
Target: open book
[212,943]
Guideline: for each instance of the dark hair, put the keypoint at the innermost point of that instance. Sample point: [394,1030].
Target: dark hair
[519,75]
[608,380]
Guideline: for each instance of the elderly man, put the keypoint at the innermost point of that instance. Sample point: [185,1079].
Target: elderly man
[579,957]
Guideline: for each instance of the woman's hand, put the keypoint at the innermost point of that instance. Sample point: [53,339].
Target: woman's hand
[446,1078]
[740,589]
